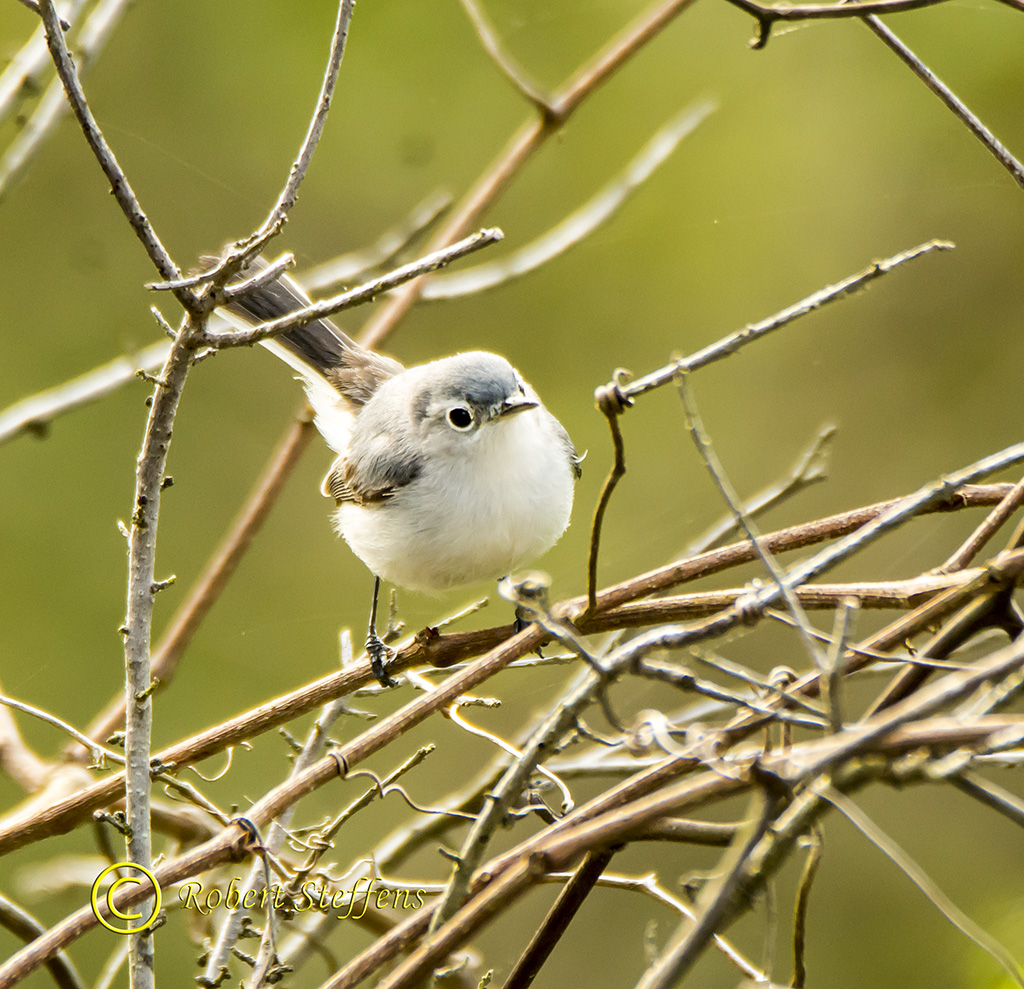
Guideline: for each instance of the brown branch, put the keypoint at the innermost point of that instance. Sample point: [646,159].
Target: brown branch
[976,541]
[605,822]
[428,648]
[558,918]
[523,145]
[219,569]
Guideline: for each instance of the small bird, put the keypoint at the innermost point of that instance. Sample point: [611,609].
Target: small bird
[448,473]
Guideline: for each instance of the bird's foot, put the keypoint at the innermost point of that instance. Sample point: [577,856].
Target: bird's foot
[379,655]
[522,622]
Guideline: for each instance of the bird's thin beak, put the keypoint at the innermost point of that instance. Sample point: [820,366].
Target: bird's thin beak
[512,406]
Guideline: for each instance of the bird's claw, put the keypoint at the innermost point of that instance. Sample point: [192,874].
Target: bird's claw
[379,654]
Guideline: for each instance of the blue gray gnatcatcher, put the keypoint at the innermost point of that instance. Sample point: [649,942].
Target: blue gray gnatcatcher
[448,473]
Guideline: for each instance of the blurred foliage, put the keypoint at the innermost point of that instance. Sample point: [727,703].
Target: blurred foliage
[825,153]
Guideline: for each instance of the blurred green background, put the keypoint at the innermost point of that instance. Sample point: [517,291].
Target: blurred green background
[825,153]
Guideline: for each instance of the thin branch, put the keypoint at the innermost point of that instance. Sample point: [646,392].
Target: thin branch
[561,720]
[427,649]
[245,249]
[991,795]
[558,918]
[615,397]
[705,448]
[922,881]
[53,105]
[137,629]
[17,760]
[511,875]
[95,750]
[734,341]
[767,14]
[524,144]
[527,88]
[952,101]
[219,568]
[609,405]
[456,717]
[120,187]
[27,928]
[832,669]
[976,541]
[800,910]
[601,823]
[231,926]
[385,251]
[649,886]
[753,604]
[579,224]
[716,900]
[35,413]
[809,468]
[356,296]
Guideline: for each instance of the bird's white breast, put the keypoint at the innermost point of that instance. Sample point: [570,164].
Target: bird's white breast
[472,517]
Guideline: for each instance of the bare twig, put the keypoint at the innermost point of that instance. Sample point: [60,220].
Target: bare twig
[119,185]
[716,900]
[810,468]
[766,14]
[615,397]
[800,910]
[17,761]
[511,785]
[24,926]
[356,296]
[245,249]
[558,919]
[991,795]
[579,224]
[219,569]
[952,101]
[138,623]
[427,649]
[976,541]
[501,58]
[95,750]
[734,341]
[701,439]
[525,143]
[607,403]
[922,881]
[35,413]
[649,886]
[385,251]
[52,106]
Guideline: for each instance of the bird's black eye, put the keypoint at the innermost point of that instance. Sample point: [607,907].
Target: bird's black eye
[460,417]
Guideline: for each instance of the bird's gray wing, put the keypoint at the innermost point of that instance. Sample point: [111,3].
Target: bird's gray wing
[370,478]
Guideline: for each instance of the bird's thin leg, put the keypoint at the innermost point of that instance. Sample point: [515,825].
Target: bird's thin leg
[523,620]
[375,648]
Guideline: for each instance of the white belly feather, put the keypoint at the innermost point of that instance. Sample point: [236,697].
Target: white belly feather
[476,519]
